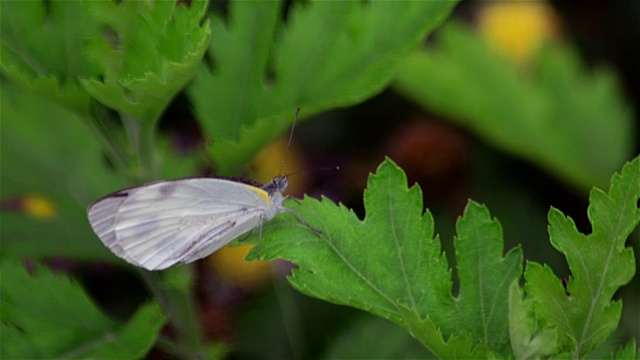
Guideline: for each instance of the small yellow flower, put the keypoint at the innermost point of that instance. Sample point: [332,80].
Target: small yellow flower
[518,28]
[39,207]
[232,268]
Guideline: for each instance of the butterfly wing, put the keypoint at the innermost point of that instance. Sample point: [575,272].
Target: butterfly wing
[158,225]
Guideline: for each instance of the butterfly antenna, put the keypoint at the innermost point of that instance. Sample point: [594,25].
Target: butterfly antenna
[286,150]
[327,168]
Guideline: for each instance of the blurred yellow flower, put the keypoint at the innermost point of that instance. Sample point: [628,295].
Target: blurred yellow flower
[518,28]
[229,262]
[266,164]
[39,207]
[232,268]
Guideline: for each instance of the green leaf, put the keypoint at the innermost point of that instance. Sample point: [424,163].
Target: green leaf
[67,175]
[455,347]
[47,316]
[133,56]
[584,312]
[629,351]
[571,122]
[149,52]
[391,265]
[527,342]
[361,339]
[42,47]
[327,54]
[479,248]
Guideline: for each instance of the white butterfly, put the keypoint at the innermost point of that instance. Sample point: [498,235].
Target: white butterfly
[161,224]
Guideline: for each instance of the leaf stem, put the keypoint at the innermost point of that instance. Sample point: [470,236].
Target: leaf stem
[179,305]
[290,318]
[141,139]
[106,137]
[175,297]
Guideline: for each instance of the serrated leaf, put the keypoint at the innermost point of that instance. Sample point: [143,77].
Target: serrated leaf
[483,307]
[584,312]
[629,351]
[132,56]
[150,55]
[571,122]
[48,316]
[391,264]
[41,46]
[459,346]
[328,54]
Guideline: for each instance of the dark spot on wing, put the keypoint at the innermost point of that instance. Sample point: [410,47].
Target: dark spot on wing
[119,194]
[168,188]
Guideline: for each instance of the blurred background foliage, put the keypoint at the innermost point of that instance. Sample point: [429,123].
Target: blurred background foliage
[518,105]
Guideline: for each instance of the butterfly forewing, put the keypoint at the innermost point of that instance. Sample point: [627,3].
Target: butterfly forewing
[158,225]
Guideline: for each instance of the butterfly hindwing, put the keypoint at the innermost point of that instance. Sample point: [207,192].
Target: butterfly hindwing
[160,224]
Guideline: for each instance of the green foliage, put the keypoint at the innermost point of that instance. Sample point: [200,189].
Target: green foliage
[48,316]
[328,54]
[628,352]
[42,48]
[527,341]
[584,313]
[390,264]
[36,163]
[150,55]
[133,57]
[362,340]
[568,121]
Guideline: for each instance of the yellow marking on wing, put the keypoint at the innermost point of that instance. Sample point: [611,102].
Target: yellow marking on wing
[263,194]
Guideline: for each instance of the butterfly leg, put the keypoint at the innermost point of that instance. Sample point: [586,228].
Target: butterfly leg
[299,217]
[245,237]
[260,238]
[303,221]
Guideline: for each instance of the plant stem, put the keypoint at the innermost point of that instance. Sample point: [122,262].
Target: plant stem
[146,152]
[141,139]
[290,318]
[174,296]
[178,303]
[98,124]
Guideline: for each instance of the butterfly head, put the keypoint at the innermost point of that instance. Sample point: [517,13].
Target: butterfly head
[277,185]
